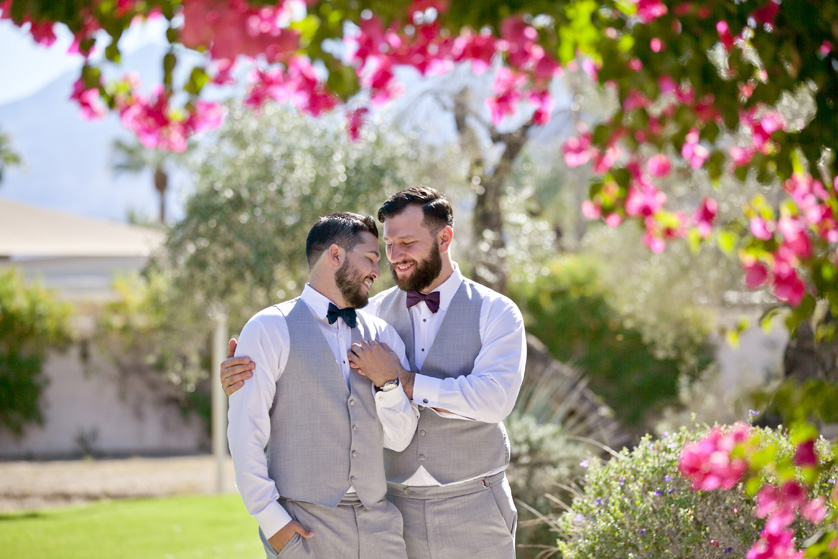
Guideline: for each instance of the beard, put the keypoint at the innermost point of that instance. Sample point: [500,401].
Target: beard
[350,282]
[423,275]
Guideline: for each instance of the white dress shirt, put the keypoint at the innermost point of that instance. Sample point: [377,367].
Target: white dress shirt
[488,394]
[266,341]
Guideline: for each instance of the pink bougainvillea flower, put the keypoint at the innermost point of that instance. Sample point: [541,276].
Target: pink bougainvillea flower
[656,45]
[768,500]
[354,122]
[543,102]
[708,463]
[693,152]
[741,156]
[815,510]
[658,165]
[705,215]
[613,220]
[788,286]
[92,106]
[650,10]
[591,210]
[756,273]
[805,455]
[766,14]
[577,150]
[724,35]
[507,88]
[762,228]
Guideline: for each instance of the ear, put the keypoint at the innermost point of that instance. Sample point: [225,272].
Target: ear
[335,255]
[445,236]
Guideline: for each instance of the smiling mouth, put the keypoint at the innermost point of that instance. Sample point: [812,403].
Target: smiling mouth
[403,267]
[368,281]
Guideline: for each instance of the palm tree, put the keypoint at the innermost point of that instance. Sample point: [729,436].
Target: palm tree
[136,158]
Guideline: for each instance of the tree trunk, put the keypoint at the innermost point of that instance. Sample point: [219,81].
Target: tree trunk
[161,185]
[490,267]
[806,358]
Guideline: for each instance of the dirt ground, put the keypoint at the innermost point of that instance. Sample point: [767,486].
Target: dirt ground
[38,485]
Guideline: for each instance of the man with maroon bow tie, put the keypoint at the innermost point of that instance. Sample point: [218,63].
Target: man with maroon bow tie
[467,349]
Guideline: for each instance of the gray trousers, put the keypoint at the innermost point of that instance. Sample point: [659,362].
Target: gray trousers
[348,531]
[471,520]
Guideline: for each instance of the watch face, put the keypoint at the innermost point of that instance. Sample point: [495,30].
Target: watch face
[390,385]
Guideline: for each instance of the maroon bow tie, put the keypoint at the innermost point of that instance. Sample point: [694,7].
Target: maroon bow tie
[431,299]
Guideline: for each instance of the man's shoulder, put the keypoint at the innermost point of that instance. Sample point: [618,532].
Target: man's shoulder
[374,306]
[274,312]
[492,297]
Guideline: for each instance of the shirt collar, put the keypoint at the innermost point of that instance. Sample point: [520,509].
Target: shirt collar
[316,301]
[449,288]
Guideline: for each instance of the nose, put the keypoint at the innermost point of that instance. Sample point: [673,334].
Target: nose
[376,271]
[393,253]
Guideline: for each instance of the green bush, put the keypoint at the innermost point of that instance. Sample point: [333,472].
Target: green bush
[637,505]
[570,308]
[31,323]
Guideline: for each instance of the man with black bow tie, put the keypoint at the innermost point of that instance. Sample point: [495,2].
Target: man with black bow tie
[319,491]
[466,348]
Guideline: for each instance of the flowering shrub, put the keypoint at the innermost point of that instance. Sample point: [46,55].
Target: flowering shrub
[787,482]
[637,505]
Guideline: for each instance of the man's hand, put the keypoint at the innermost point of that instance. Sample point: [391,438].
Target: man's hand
[234,370]
[281,538]
[376,361]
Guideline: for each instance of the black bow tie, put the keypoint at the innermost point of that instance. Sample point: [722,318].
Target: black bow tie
[348,315]
[431,299]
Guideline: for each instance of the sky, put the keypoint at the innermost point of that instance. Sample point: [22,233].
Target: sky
[26,66]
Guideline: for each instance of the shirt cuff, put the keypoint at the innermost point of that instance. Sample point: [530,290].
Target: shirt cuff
[426,391]
[272,519]
[388,398]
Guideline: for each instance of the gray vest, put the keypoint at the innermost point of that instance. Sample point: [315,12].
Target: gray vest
[450,449]
[324,436]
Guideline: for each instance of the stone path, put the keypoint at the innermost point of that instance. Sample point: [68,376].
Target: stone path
[37,485]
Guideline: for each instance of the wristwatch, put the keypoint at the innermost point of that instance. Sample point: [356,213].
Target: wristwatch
[388,386]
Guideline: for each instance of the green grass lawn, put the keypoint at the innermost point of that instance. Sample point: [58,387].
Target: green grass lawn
[191,527]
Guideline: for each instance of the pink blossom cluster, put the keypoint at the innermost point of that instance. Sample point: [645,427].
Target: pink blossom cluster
[297,83]
[157,124]
[230,28]
[41,31]
[526,76]
[708,463]
[779,507]
[794,234]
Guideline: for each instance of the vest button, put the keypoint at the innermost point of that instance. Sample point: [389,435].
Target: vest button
[352,402]
[355,427]
[421,457]
[354,453]
[422,433]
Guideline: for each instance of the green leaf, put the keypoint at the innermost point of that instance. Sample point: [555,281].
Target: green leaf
[726,241]
[197,80]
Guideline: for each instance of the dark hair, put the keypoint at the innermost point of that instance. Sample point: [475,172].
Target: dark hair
[435,206]
[343,229]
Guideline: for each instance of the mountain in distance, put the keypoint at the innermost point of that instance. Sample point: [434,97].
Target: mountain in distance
[68,159]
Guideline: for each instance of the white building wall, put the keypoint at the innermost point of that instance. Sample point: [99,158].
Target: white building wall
[118,414]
